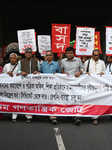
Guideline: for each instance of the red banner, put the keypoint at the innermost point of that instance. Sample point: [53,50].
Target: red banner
[60,37]
[57,110]
[97,41]
[4,51]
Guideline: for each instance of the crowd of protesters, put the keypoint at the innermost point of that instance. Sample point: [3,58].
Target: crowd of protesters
[66,64]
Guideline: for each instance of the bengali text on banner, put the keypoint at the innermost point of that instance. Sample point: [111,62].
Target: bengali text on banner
[59,95]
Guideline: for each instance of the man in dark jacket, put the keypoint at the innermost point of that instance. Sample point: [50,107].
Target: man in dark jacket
[26,66]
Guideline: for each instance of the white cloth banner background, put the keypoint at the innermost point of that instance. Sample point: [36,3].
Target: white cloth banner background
[44,43]
[26,38]
[84,40]
[108,40]
[56,94]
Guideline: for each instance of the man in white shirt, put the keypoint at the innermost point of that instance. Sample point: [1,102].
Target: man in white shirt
[109,66]
[11,69]
[94,66]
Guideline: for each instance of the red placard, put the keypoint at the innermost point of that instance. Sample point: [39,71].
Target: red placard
[4,51]
[60,37]
[97,41]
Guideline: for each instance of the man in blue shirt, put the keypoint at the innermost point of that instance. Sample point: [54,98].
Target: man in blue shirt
[50,67]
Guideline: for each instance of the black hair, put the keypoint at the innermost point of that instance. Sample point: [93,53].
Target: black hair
[49,51]
[28,49]
[95,50]
[68,49]
[110,56]
[38,55]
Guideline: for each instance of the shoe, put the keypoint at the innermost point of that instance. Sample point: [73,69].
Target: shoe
[95,121]
[54,121]
[14,120]
[28,121]
[46,118]
[69,119]
[1,116]
[77,122]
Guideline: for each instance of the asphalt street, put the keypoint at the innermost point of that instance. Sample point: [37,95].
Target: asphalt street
[41,135]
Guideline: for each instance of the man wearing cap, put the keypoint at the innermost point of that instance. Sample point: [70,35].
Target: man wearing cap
[26,66]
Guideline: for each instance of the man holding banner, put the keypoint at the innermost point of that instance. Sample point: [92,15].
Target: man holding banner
[94,66]
[50,67]
[11,69]
[72,66]
[26,66]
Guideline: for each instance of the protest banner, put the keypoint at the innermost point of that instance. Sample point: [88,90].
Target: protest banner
[108,40]
[44,43]
[85,40]
[97,44]
[4,51]
[59,95]
[1,60]
[60,37]
[26,38]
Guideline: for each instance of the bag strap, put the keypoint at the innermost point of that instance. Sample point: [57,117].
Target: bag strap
[14,67]
[88,66]
[110,67]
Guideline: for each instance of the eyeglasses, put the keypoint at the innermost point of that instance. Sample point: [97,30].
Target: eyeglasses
[48,55]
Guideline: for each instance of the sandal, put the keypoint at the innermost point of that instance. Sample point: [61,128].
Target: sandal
[14,120]
[28,121]
[95,121]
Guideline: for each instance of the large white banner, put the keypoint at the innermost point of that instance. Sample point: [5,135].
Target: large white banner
[44,43]
[108,40]
[59,94]
[85,40]
[26,38]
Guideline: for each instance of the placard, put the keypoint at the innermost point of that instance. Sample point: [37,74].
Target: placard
[85,40]
[26,38]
